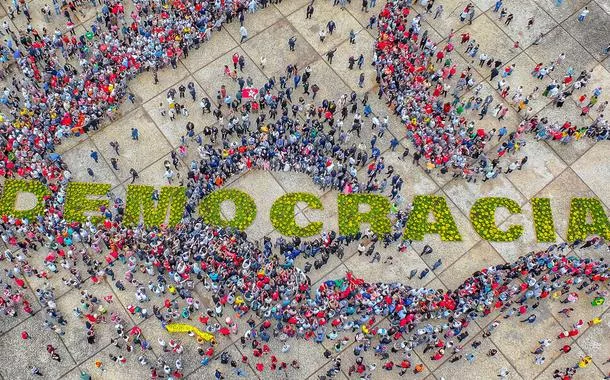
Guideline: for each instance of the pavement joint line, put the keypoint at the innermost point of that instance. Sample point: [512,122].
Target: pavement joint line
[105,161]
[92,133]
[20,323]
[61,339]
[608,12]
[423,17]
[338,43]
[202,45]
[240,44]
[63,375]
[118,299]
[233,343]
[507,358]
[78,365]
[572,340]
[522,50]
[576,341]
[469,249]
[294,11]
[583,181]
[128,180]
[510,361]
[249,363]
[556,177]
[166,139]
[464,254]
[602,373]
[168,70]
[577,41]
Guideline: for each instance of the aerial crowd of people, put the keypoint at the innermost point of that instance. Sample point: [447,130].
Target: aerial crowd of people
[254,291]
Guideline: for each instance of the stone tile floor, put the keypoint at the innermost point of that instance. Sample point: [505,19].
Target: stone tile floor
[555,171]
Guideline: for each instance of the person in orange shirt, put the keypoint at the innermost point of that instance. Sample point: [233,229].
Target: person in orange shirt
[100,365]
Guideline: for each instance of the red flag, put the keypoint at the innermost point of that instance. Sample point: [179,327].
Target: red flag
[249,92]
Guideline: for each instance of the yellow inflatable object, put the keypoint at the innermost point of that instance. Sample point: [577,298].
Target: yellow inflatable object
[584,362]
[184,328]
[595,321]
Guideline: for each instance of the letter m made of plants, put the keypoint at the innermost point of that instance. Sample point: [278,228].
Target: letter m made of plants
[141,206]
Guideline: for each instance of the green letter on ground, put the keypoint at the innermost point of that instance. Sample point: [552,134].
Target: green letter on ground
[245,209]
[78,202]
[350,216]
[580,210]
[543,220]
[282,214]
[418,224]
[12,188]
[140,202]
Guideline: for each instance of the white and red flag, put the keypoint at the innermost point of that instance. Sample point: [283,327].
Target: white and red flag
[249,92]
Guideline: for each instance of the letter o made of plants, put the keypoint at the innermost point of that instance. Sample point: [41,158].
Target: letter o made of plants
[282,214]
[483,219]
[245,209]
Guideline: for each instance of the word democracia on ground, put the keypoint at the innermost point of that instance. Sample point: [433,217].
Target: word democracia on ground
[430,214]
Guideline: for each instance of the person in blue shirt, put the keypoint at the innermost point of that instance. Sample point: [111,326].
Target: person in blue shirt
[502,132]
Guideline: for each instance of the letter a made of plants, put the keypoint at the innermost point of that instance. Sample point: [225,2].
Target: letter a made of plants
[418,225]
[578,226]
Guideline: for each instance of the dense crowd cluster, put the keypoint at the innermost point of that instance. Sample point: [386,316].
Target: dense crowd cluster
[258,281]
[415,76]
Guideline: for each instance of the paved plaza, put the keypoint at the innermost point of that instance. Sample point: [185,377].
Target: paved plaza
[553,170]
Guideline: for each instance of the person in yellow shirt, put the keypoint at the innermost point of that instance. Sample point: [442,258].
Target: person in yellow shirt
[594,321]
[584,362]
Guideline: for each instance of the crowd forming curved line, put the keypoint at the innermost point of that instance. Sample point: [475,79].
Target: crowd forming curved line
[55,100]
[414,73]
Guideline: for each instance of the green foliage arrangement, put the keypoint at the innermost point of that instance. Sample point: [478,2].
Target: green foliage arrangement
[418,225]
[350,217]
[543,220]
[154,213]
[483,219]
[12,187]
[245,209]
[587,215]
[78,201]
[579,227]
[282,214]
